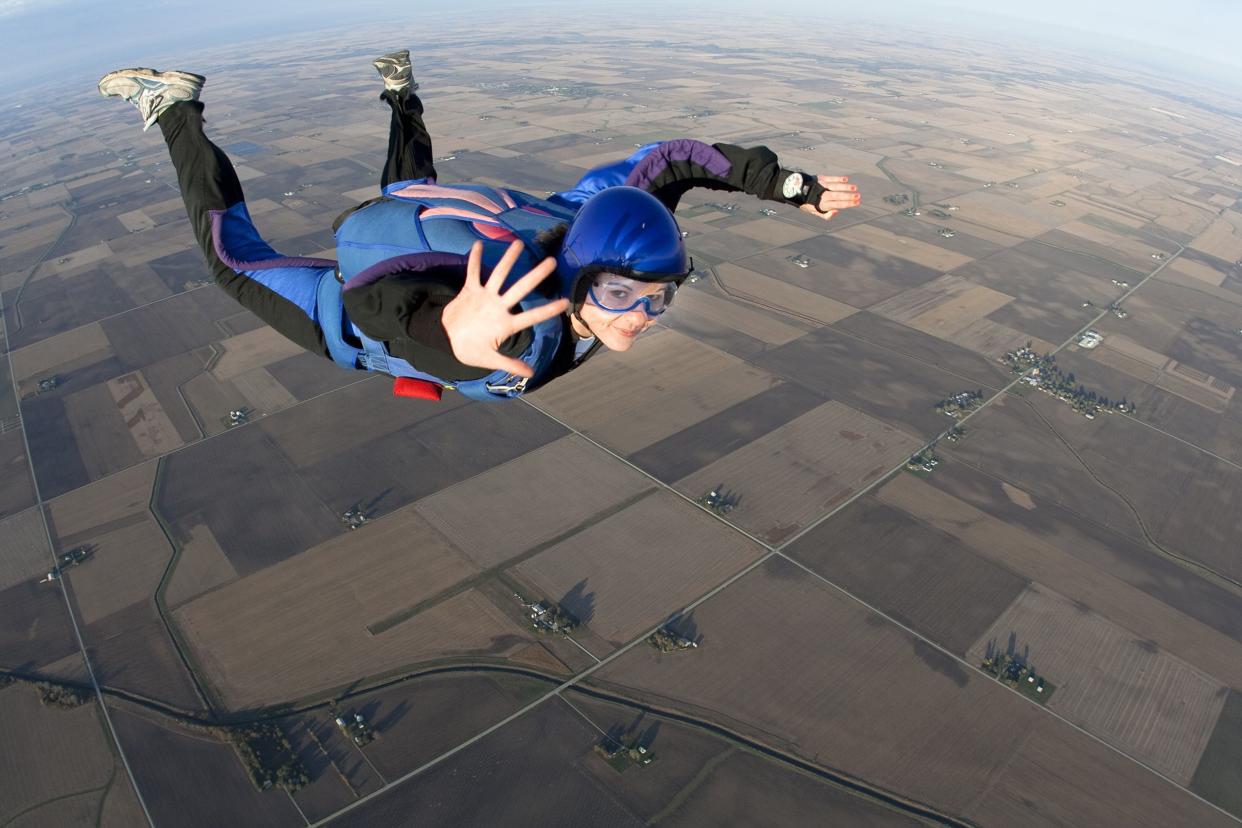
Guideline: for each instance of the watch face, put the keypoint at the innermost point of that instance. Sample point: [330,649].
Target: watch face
[793,185]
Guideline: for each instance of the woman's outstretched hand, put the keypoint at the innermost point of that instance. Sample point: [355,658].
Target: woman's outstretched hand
[478,320]
[838,195]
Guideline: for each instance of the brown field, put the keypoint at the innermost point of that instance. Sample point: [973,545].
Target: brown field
[102,436]
[1129,561]
[262,391]
[121,808]
[48,753]
[1032,557]
[848,273]
[131,650]
[904,247]
[1137,263]
[81,346]
[1223,238]
[1152,705]
[1168,375]
[449,793]
[997,212]
[871,378]
[1054,761]
[159,753]
[149,426]
[353,768]
[791,476]
[628,572]
[328,790]
[926,579]
[769,231]
[1011,441]
[1221,293]
[419,720]
[125,568]
[81,512]
[1205,520]
[258,519]
[136,220]
[854,692]
[948,356]
[1189,500]
[782,295]
[77,809]
[739,316]
[313,433]
[620,399]
[943,307]
[1130,250]
[26,554]
[16,485]
[1215,777]
[211,400]
[1197,271]
[301,625]
[254,349]
[78,259]
[745,790]
[201,566]
[568,471]
[34,626]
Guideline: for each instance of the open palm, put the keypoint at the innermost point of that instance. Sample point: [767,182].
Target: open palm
[479,318]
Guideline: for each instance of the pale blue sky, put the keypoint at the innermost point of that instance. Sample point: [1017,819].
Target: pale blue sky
[48,36]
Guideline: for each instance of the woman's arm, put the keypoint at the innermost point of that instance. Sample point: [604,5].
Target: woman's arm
[674,167]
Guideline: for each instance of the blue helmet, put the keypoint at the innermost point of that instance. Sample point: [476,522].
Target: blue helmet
[622,229]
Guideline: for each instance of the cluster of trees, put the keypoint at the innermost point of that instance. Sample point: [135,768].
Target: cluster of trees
[960,403]
[1016,673]
[268,756]
[1063,384]
[56,695]
[899,198]
[667,641]
[549,617]
[925,460]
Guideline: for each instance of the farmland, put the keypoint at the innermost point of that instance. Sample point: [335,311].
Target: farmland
[623,575]
[792,475]
[1010,195]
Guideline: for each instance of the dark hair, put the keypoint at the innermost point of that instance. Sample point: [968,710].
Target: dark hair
[549,241]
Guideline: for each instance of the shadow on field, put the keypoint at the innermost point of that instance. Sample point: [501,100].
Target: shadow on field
[579,603]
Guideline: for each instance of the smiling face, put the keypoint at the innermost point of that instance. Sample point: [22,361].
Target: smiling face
[617,331]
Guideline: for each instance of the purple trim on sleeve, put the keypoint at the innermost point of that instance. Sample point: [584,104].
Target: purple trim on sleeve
[410,261]
[683,149]
[217,238]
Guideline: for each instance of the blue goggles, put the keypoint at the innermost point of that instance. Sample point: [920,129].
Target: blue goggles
[618,294]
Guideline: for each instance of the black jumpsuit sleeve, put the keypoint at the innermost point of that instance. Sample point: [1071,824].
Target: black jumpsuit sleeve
[404,311]
[676,167]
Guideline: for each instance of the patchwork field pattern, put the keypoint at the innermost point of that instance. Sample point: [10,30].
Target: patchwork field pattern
[1009,199]
[1149,703]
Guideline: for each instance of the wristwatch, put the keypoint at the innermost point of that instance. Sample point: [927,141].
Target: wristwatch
[796,187]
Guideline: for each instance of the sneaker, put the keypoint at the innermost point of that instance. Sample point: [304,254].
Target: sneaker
[394,68]
[151,91]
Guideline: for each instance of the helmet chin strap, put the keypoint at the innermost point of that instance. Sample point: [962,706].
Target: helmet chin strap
[577,314]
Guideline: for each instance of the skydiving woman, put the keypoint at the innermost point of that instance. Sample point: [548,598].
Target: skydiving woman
[488,291]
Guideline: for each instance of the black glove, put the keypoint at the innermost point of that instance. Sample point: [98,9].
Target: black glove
[798,188]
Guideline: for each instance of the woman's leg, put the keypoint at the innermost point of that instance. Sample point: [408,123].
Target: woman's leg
[409,143]
[279,290]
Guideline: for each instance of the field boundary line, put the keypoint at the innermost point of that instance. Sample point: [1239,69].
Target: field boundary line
[63,584]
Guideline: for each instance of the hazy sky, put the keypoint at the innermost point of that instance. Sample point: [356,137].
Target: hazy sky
[41,36]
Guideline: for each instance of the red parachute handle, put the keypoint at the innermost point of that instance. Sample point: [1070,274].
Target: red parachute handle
[416,388]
